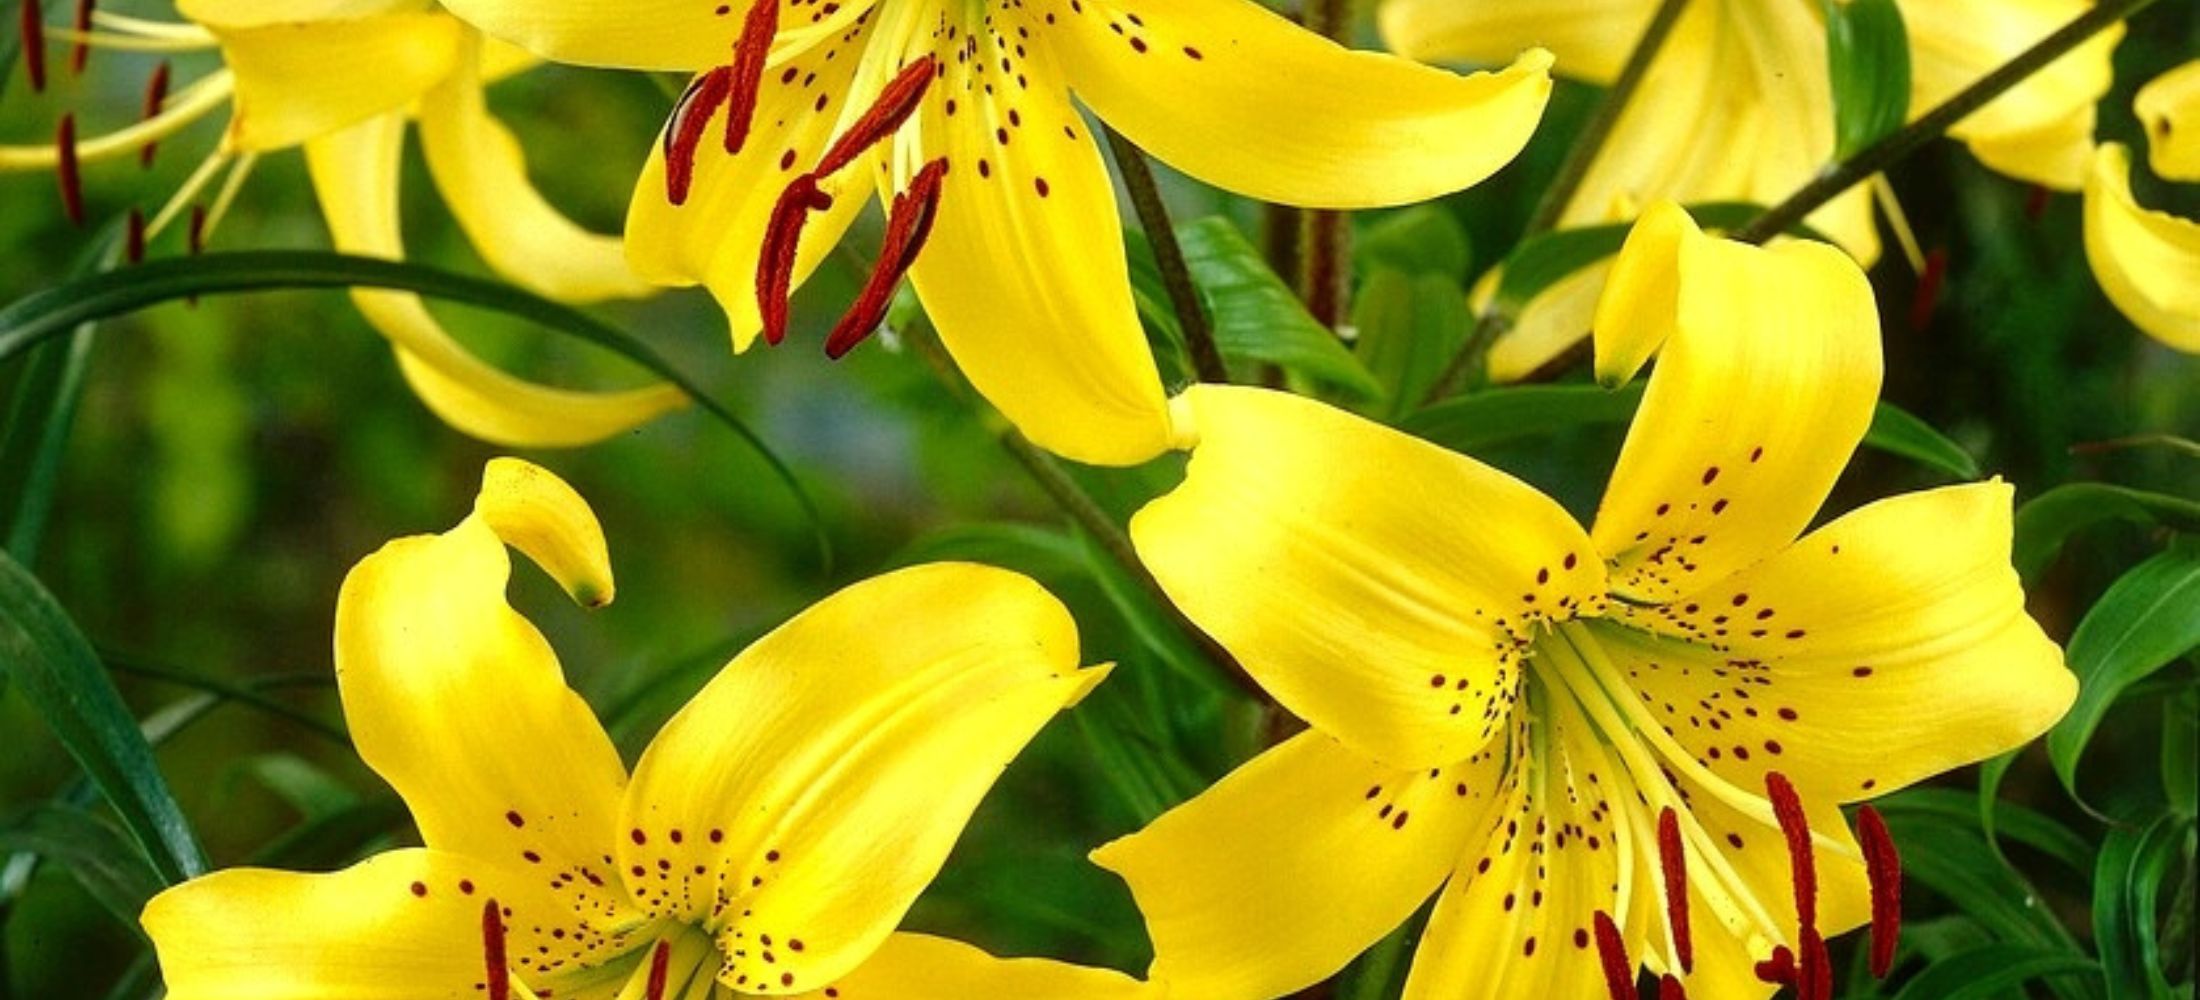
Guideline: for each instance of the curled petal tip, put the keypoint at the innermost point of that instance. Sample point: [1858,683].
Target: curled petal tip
[532,510]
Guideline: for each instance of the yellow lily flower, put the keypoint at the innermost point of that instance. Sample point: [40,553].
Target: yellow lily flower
[1737,107]
[767,843]
[2169,107]
[960,115]
[2147,261]
[1625,741]
[342,78]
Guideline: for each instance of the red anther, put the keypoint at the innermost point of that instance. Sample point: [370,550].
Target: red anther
[1814,976]
[1779,969]
[1619,972]
[1928,288]
[1675,862]
[34,44]
[657,962]
[499,979]
[1670,988]
[684,130]
[908,225]
[197,241]
[1883,864]
[896,102]
[2035,204]
[746,75]
[133,247]
[775,262]
[156,95]
[66,171]
[83,51]
[1788,807]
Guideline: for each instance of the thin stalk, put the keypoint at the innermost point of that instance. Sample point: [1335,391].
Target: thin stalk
[1325,236]
[1910,138]
[1493,323]
[239,693]
[1168,255]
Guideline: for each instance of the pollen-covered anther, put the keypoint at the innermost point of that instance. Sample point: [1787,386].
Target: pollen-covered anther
[746,75]
[156,97]
[659,961]
[82,53]
[782,238]
[133,246]
[896,102]
[33,26]
[67,171]
[497,973]
[1814,972]
[684,130]
[1619,972]
[908,225]
[1670,988]
[1674,863]
[1778,969]
[1883,866]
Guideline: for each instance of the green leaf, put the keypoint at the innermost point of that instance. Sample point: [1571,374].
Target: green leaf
[1149,620]
[58,674]
[1409,327]
[1481,420]
[1895,431]
[2144,621]
[97,855]
[2126,888]
[42,408]
[51,311]
[1991,971]
[1257,318]
[1422,240]
[1946,854]
[2181,753]
[2025,826]
[1868,62]
[2046,521]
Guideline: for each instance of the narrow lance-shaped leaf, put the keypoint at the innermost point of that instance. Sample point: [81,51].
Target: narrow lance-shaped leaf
[2046,521]
[2126,888]
[1868,63]
[1993,970]
[2143,622]
[1409,327]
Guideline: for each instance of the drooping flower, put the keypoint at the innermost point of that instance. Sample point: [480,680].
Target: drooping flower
[1650,724]
[342,80]
[960,112]
[767,843]
[1737,106]
[2149,261]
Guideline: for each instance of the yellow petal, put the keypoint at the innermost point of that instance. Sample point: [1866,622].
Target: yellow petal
[1741,432]
[1275,877]
[261,13]
[2169,106]
[1246,100]
[534,511]
[922,967]
[1590,39]
[301,80]
[1025,276]
[815,786]
[1517,919]
[355,174]
[1556,319]
[398,926]
[457,702]
[644,34]
[2040,130]
[2147,261]
[478,166]
[1641,300]
[1886,647]
[717,235]
[1379,586]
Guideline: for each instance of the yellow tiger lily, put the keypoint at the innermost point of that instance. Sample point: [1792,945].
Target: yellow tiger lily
[1625,741]
[341,78]
[2149,261]
[1737,107]
[767,843]
[960,114]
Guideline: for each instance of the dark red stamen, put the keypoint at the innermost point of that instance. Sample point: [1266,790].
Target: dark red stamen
[197,242]
[684,130]
[746,75]
[83,51]
[1670,988]
[1675,863]
[782,238]
[657,962]
[156,96]
[1779,969]
[1883,864]
[2035,204]
[1795,826]
[1619,972]
[908,225]
[492,951]
[896,102]
[34,44]
[66,170]
[1927,295]
[1814,977]
[133,247]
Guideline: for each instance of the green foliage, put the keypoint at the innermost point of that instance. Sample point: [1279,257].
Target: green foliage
[1868,63]
[2143,622]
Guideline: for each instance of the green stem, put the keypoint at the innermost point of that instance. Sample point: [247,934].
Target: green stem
[1492,324]
[1325,236]
[239,693]
[1168,255]
[1929,126]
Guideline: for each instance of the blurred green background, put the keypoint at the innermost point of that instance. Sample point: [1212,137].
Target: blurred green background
[234,458]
